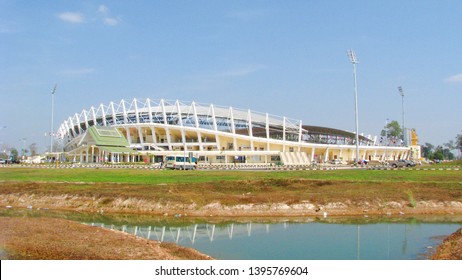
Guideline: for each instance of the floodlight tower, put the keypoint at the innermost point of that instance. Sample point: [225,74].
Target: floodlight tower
[354,61]
[23,147]
[401,92]
[52,113]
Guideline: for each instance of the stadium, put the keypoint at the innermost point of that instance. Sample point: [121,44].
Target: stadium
[151,130]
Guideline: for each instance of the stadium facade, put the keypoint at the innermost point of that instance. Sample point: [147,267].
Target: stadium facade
[149,130]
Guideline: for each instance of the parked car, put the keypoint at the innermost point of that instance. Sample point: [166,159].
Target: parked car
[336,161]
[3,161]
[402,163]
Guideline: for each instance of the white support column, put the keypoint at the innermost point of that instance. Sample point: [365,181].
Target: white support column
[326,155]
[127,133]
[249,119]
[85,118]
[71,124]
[300,136]
[114,120]
[140,135]
[153,130]
[196,125]
[233,128]
[137,115]
[180,121]
[77,118]
[167,130]
[103,114]
[148,101]
[154,136]
[138,127]
[267,132]
[87,152]
[124,112]
[312,154]
[125,122]
[214,120]
[93,115]
[215,127]
[284,134]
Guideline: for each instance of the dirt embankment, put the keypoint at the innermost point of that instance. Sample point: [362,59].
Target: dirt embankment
[57,239]
[237,199]
[451,248]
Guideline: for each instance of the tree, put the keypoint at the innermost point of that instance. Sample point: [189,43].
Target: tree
[450,145]
[14,154]
[392,129]
[459,142]
[33,149]
[439,153]
[427,150]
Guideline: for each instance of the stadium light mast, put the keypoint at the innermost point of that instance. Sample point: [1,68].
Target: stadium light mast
[52,113]
[401,92]
[354,61]
[23,147]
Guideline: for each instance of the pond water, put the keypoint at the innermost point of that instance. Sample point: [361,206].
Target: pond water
[382,238]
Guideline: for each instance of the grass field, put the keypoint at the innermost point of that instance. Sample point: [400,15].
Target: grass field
[142,190]
[143,176]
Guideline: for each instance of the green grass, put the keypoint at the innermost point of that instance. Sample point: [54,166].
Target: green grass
[449,163]
[234,187]
[171,176]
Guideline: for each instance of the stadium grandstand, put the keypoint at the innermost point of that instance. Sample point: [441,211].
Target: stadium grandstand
[151,130]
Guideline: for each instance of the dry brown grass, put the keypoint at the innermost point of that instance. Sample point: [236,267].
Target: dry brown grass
[451,249]
[190,198]
[57,239]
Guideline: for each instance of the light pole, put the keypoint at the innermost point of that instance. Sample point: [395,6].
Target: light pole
[386,139]
[401,92]
[354,61]
[52,113]
[23,147]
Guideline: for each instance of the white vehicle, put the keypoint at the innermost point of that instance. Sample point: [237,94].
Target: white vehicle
[336,161]
[180,162]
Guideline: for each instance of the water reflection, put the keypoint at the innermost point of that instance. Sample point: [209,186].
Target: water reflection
[284,238]
[312,240]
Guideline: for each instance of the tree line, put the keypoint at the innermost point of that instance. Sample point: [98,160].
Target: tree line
[429,151]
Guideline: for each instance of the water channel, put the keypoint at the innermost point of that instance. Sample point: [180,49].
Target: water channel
[304,238]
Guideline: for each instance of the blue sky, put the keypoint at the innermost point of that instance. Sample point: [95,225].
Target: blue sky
[282,57]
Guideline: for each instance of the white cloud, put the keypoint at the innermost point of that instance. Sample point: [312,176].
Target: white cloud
[241,71]
[103,9]
[108,19]
[72,17]
[454,79]
[111,21]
